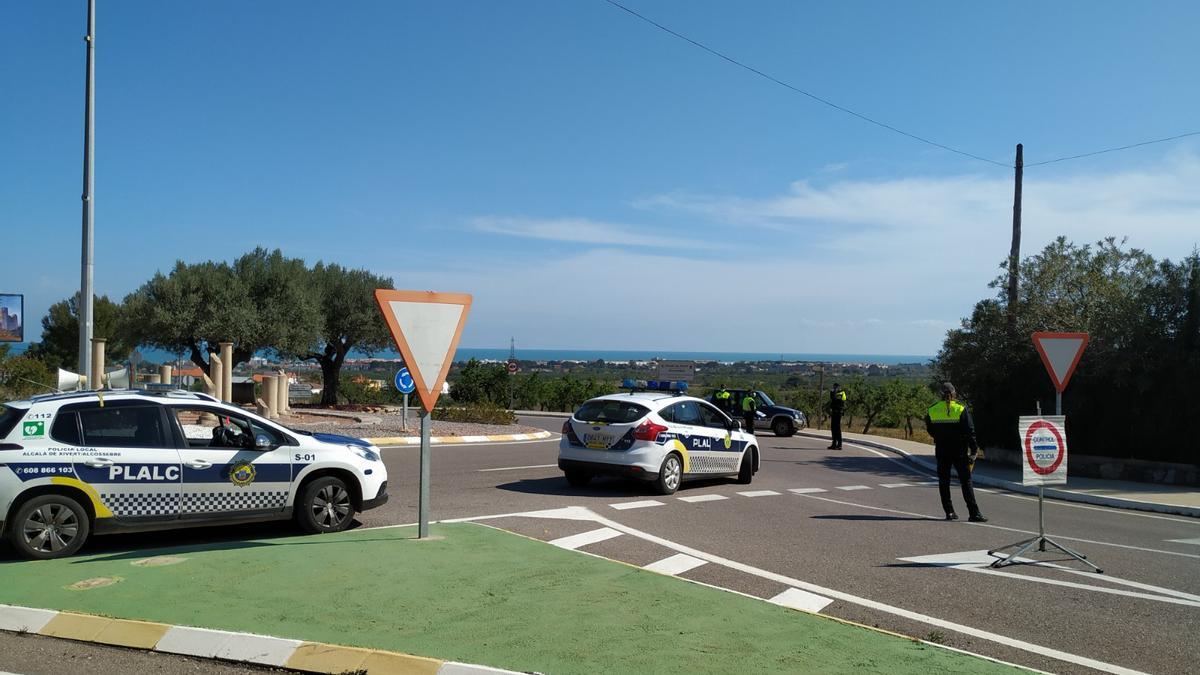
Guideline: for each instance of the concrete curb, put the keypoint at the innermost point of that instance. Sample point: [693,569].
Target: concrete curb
[459,440]
[309,657]
[1052,493]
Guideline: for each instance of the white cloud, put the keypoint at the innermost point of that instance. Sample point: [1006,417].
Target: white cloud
[868,266]
[584,231]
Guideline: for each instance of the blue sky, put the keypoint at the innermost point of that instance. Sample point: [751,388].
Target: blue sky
[593,181]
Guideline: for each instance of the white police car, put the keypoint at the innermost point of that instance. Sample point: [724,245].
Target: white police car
[655,433]
[94,462]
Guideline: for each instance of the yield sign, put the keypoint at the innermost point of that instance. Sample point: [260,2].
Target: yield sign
[1060,354]
[426,327]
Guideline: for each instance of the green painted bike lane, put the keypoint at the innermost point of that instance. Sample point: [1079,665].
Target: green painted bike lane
[471,594]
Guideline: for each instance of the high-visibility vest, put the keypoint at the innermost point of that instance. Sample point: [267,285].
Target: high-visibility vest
[946,412]
[841,396]
[723,394]
[748,404]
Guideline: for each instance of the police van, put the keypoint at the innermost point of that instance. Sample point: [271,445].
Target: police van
[83,463]
[655,433]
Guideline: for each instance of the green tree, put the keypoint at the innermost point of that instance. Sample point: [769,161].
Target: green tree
[479,382]
[59,347]
[1142,316]
[866,399]
[22,376]
[348,318]
[262,301]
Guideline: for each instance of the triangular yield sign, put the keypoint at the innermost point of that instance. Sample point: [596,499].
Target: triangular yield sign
[426,327]
[1060,354]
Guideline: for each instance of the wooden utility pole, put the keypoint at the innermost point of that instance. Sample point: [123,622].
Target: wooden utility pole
[1014,256]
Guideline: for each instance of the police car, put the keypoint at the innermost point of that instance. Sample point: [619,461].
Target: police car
[655,433]
[84,463]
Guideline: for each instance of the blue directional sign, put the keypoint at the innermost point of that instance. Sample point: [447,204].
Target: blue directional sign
[404,382]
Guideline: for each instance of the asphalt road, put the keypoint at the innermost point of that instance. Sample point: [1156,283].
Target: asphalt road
[843,548]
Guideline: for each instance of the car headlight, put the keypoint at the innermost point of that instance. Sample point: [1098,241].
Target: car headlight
[365,453]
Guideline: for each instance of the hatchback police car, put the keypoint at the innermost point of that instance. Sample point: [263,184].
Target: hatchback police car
[93,462]
[655,433]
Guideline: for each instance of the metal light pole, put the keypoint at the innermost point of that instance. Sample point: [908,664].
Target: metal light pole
[84,307]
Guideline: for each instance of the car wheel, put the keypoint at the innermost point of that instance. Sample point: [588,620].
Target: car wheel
[578,478]
[325,506]
[670,475]
[49,526]
[783,427]
[746,472]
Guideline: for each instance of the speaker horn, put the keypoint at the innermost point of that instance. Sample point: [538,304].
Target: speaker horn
[117,379]
[68,381]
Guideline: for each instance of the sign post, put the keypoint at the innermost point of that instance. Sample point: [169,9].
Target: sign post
[1044,440]
[426,327]
[406,386]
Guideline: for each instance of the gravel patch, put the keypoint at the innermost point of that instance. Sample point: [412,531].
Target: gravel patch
[390,425]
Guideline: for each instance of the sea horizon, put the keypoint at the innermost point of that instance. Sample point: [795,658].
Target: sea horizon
[464,354]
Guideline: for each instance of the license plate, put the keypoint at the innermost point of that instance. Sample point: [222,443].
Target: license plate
[597,441]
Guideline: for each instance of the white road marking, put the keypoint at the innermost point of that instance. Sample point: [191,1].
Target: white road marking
[577,512]
[980,561]
[702,498]
[759,493]
[854,487]
[676,564]
[622,506]
[1010,529]
[895,485]
[514,468]
[801,600]
[1195,541]
[440,446]
[806,491]
[585,538]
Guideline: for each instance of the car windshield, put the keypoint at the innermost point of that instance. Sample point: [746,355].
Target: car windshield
[611,411]
[762,396]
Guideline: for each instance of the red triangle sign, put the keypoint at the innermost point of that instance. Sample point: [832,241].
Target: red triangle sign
[426,327]
[1060,354]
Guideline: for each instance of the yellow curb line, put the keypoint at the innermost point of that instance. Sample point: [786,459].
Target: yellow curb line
[312,657]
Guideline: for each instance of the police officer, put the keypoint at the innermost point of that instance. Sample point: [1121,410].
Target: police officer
[837,406]
[723,400]
[949,422]
[749,405]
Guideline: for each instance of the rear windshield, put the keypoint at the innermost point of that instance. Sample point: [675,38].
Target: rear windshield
[612,412]
[8,419]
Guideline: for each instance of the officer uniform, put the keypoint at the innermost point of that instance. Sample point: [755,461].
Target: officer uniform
[748,407]
[949,422]
[837,405]
[723,401]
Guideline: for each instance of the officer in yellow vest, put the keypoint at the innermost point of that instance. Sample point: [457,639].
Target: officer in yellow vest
[749,405]
[723,400]
[949,422]
[837,406]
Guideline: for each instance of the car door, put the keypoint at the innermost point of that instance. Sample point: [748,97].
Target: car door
[725,454]
[688,428]
[224,474]
[127,456]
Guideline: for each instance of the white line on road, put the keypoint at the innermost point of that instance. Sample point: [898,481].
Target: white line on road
[854,487]
[759,493]
[702,498]
[895,485]
[1010,529]
[676,564]
[870,604]
[622,506]
[514,468]
[801,600]
[1086,587]
[1195,541]
[806,491]
[585,538]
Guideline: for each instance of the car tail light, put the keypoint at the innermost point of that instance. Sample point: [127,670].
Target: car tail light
[569,432]
[648,431]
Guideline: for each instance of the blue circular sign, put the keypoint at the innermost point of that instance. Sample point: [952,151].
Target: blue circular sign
[404,381]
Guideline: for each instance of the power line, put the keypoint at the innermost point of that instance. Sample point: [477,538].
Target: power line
[876,122]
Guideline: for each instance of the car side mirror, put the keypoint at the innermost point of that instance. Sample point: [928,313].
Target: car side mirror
[263,442]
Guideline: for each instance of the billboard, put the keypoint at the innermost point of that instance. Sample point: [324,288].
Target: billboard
[12,318]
